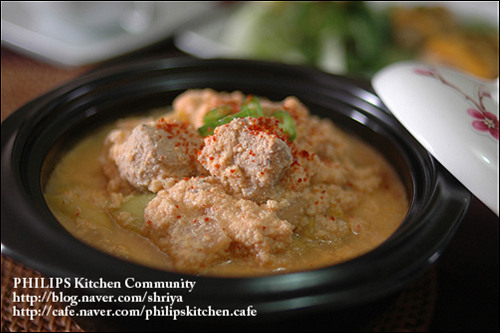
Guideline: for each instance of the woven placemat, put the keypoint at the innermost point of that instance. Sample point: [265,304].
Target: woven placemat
[13,320]
[413,309]
[410,312]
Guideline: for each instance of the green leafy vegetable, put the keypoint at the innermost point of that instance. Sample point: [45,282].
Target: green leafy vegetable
[338,36]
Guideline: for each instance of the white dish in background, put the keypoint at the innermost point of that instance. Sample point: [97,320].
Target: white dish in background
[80,33]
[454,116]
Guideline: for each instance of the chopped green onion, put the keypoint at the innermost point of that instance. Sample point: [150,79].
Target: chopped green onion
[254,106]
[222,115]
[245,113]
[286,123]
[214,118]
[216,114]
[206,130]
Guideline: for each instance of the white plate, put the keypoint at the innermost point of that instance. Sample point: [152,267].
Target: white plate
[79,33]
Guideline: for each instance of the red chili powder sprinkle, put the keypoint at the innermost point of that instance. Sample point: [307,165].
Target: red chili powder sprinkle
[267,125]
[172,128]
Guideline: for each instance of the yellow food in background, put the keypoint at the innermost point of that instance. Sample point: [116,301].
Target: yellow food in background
[435,36]
[413,26]
[476,55]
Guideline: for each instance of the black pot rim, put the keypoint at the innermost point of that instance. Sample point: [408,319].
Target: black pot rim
[31,235]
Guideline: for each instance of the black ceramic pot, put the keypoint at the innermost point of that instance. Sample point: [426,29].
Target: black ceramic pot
[36,134]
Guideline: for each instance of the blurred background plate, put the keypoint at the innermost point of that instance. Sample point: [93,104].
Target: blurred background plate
[80,33]
[351,37]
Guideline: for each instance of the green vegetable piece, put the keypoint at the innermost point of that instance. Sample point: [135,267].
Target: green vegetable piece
[251,109]
[286,123]
[135,206]
[217,113]
[206,130]
[247,112]
[137,203]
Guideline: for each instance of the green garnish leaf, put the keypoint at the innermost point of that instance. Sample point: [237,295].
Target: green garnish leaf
[286,123]
[206,130]
[222,115]
[253,107]
[216,114]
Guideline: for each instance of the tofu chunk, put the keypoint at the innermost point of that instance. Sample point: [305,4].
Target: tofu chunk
[154,152]
[248,156]
[197,223]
